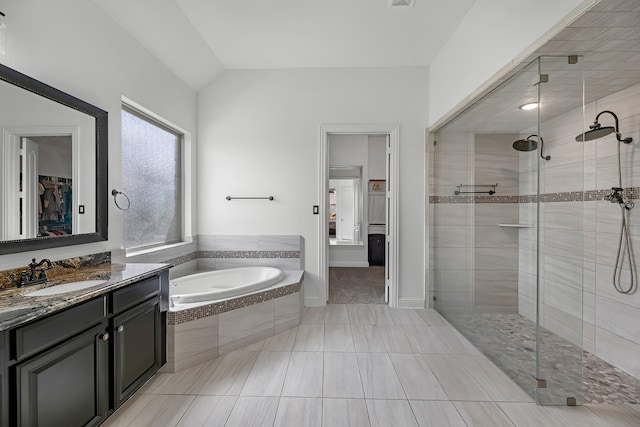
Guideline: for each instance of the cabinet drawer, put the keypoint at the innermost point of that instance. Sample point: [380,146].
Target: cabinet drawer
[134,294]
[44,333]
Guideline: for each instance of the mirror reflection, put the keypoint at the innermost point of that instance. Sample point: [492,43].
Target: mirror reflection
[345,205]
[47,167]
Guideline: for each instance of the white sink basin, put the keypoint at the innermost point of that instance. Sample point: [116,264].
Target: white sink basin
[67,287]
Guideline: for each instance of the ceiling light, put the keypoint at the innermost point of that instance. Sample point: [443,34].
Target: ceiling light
[529,106]
[401,3]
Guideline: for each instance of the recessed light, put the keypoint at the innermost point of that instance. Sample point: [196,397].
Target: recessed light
[529,106]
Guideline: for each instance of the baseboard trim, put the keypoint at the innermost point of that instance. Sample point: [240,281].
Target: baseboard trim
[410,302]
[348,264]
[312,302]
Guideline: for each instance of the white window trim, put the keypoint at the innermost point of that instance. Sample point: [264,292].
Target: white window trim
[186,199]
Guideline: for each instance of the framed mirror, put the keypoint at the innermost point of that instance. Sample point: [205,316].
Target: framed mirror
[53,167]
[345,205]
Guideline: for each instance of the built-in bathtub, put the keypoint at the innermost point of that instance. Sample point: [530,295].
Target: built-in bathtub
[201,329]
[222,284]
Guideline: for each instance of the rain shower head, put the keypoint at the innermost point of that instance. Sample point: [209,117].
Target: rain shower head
[525,145]
[596,131]
[529,144]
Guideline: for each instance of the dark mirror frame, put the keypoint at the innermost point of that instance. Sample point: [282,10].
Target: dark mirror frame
[16,78]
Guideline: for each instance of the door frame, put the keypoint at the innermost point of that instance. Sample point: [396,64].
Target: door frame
[10,145]
[393,131]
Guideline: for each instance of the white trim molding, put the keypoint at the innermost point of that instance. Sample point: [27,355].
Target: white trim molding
[411,303]
[393,130]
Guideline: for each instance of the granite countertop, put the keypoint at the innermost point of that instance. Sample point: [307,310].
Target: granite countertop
[16,308]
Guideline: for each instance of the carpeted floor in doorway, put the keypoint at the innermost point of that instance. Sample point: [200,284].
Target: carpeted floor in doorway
[356,285]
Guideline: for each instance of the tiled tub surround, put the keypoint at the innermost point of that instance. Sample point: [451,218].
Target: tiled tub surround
[208,253]
[221,252]
[16,308]
[199,332]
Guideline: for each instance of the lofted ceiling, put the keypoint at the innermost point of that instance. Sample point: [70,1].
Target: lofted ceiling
[606,40]
[197,39]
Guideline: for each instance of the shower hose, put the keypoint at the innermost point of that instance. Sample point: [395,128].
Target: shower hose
[625,250]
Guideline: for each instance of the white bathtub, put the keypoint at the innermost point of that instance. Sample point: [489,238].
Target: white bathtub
[222,284]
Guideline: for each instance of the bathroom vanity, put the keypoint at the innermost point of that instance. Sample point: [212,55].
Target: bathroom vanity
[71,359]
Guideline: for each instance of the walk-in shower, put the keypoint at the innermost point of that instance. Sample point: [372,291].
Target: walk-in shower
[525,273]
[529,144]
[625,248]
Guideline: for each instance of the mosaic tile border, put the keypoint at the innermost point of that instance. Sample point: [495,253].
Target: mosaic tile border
[61,268]
[192,256]
[631,193]
[190,314]
[249,254]
[182,259]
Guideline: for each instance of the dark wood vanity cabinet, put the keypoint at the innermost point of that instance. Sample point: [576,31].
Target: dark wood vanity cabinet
[75,367]
[66,385]
[137,351]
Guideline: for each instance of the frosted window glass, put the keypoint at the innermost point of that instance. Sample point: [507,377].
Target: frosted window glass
[151,158]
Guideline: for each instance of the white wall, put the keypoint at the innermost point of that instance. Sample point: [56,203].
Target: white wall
[491,35]
[259,135]
[73,46]
[377,157]
[57,159]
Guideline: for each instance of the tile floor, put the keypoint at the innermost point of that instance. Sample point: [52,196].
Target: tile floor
[354,365]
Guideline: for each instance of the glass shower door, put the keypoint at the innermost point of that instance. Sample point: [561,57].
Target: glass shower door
[561,246]
[483,197]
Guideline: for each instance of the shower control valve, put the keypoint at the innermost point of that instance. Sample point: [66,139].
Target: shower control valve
[615,196]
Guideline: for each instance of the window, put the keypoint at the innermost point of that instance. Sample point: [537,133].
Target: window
[152,179]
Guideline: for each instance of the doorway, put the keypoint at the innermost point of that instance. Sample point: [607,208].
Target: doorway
[358,215]
[37,197]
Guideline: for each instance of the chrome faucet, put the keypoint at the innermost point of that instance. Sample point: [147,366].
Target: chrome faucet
[35,275]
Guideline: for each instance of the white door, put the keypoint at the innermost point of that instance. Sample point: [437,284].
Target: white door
[29,194]
[389,226]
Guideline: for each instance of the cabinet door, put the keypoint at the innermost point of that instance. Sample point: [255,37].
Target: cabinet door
[67,385]
[137,347]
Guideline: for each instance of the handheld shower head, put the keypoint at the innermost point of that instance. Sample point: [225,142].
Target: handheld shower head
[529,144]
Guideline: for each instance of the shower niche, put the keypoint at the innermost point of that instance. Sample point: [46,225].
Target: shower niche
[530,274]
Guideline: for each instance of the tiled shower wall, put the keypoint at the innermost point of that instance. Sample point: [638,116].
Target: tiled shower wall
[475,260]
[481,267]
[579,236]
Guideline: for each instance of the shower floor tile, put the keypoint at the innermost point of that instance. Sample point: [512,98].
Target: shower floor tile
[509,340]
